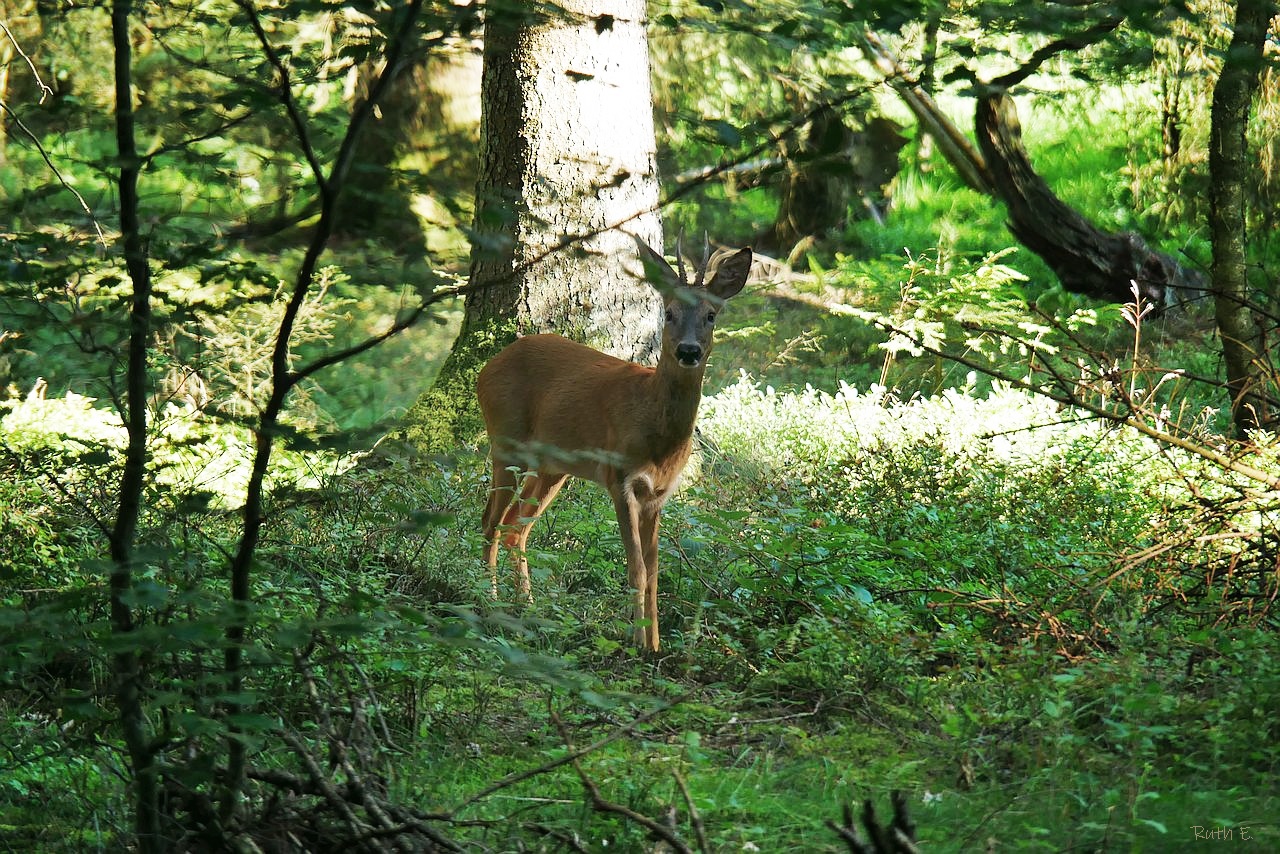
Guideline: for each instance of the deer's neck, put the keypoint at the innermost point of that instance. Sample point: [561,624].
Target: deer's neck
[677,393]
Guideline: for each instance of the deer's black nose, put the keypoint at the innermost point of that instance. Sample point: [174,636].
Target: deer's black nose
[688,355]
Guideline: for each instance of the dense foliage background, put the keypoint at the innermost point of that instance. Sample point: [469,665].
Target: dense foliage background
[951,530]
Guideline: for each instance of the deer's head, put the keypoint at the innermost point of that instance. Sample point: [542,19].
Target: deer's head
[691,307]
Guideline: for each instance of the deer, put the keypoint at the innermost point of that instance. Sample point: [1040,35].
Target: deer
[554,409]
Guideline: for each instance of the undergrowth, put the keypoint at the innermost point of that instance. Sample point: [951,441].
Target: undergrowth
[861,594]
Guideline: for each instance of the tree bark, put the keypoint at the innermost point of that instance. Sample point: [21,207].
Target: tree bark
[567,172]
[1243,343]
[1086,260]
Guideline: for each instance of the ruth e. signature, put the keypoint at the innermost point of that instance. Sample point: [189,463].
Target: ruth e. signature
[1223,833]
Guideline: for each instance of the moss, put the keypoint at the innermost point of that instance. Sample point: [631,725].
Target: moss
[447,415]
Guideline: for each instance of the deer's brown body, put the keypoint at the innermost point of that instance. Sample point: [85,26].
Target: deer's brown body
[555,409]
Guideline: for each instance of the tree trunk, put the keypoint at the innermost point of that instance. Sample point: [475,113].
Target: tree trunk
[129,674]
[378,201]
[816,188]
[420,147]
[835,174]
[568,169]
[1243,344]
[1086,260]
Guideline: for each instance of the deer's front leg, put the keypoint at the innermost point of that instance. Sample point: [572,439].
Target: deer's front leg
[627,507]
[649,522]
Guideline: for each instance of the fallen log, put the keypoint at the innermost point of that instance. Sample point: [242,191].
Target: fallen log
[1086,259]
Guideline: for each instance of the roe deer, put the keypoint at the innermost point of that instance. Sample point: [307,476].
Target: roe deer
[556,408]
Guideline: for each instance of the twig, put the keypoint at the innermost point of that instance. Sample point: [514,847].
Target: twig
[1069,42]
[779,718]
[54,169]
[396,328]
[226,125]
[282,378]
[601,804]
[1129,419]
[897,838]
[571,841]
[695,818]
[45,90]
[323,786]
[285,94]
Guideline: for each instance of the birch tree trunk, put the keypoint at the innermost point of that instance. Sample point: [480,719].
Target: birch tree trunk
[568,170]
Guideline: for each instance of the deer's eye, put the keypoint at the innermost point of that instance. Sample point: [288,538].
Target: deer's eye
[671,317]
[711,317]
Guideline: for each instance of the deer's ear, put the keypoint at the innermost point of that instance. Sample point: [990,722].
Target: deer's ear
[731,275]
[657,272]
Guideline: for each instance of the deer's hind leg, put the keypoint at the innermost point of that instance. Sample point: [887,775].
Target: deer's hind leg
[502,492]
[536,494]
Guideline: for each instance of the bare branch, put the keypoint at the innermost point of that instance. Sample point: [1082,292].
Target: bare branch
[897,838]
[1132,418]
[695,818]
[285,93]
[44,155]
[1072,42]
[45,91]
[959,151]
[396,328]
[283,380]
[221,128]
